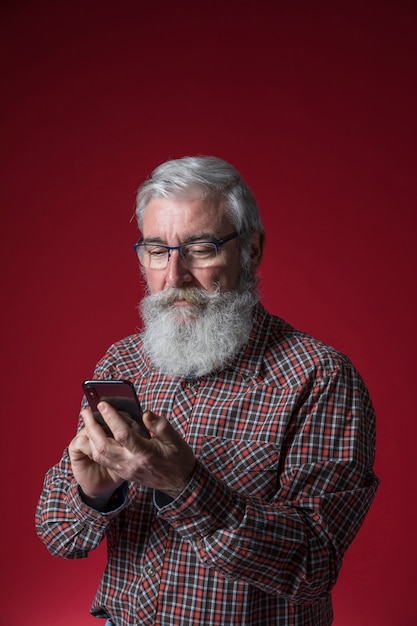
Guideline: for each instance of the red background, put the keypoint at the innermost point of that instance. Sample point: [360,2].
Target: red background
[315,103]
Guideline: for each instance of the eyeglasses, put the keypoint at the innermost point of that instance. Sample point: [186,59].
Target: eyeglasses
[197,254]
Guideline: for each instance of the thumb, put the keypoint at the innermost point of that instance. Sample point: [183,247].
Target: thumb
[157,425]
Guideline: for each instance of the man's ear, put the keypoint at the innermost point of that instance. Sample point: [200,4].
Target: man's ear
[257,245]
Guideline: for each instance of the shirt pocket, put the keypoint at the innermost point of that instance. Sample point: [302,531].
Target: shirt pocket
[249,467]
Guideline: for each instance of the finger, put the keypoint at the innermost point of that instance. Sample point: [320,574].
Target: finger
[87,416]
[176,461]
[122,432]
[80,446]
[92,427]
[152,422]
[160,428]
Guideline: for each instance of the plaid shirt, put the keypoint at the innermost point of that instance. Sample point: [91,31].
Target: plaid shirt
[284,438]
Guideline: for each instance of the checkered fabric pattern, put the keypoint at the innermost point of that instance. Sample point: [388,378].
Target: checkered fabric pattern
[284,438]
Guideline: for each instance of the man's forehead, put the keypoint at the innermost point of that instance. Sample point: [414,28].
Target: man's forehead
[199,214]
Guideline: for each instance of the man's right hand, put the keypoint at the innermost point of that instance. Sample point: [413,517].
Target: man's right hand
[96,482]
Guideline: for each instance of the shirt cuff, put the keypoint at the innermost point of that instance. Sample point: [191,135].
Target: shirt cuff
[86,514]
[205,505]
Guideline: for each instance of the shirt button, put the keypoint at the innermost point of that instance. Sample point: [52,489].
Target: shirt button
[151,572]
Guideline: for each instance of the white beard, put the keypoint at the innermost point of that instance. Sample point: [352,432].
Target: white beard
[198,338]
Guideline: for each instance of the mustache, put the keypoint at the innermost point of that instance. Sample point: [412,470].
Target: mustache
[193,295]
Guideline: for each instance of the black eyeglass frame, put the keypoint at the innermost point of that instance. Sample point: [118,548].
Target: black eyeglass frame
[169,249]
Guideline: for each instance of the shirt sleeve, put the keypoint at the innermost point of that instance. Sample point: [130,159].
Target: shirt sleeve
[292,544]
[68,526]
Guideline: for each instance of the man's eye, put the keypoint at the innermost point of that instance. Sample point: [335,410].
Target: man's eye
[155,251]
[199,251]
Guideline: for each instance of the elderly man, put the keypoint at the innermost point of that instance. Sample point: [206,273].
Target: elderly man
[258,473]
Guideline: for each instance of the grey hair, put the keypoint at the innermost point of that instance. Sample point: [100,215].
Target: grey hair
[207,177]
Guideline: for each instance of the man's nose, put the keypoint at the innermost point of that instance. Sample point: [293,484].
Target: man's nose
[177,273]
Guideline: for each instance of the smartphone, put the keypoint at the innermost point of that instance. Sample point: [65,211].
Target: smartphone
[121,395]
